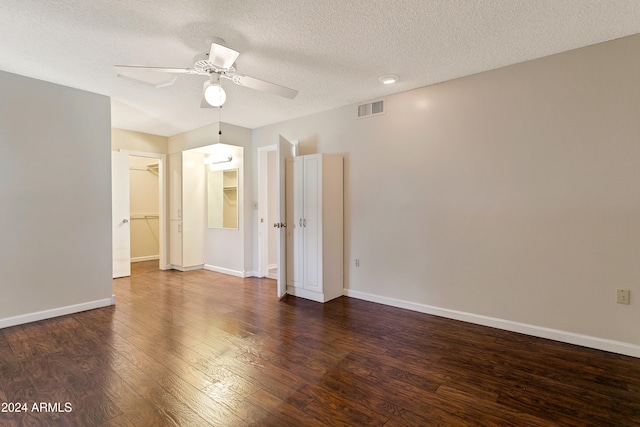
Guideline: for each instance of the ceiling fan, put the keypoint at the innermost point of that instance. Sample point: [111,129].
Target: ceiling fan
[217,64]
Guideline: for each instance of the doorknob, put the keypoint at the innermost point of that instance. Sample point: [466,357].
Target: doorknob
[261,219]
[276,225]
[124,221]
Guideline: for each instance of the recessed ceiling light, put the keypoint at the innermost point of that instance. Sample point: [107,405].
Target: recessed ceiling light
[388,79]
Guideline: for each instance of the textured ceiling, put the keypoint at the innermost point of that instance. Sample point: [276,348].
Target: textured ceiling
[331,51]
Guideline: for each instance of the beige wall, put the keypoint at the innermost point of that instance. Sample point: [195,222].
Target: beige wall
[55,200]
[509,195]
[122,139]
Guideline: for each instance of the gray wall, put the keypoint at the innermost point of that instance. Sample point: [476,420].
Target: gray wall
[512,194]
[55,199]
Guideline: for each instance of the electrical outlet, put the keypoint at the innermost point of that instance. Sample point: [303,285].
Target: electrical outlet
[357,262]
[623,296]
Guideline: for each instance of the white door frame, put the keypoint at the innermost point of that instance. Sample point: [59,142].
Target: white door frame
[263,209]
[162,196]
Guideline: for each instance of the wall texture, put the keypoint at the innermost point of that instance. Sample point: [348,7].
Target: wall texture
[55,193]
[510,197]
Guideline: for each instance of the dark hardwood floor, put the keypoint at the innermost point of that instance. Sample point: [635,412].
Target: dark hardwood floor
[201,348]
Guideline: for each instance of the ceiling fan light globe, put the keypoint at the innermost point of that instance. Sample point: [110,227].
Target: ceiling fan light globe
[215,95]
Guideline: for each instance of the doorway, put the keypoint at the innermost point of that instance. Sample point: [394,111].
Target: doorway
[284,150]
[267,212]
[144,207]
[145,217]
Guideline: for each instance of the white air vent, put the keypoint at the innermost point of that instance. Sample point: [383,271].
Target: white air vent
[370,109]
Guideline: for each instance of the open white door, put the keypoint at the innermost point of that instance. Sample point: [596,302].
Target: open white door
[121,229]
[284,151]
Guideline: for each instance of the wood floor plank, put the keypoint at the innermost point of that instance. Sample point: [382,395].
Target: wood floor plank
[358,391]
[486,412]
[137,410]
[215,412]
[283,411]
[528,393]
[202,348]
[372,395]
[6,418]
[119,421]
[279,382]
[178,366]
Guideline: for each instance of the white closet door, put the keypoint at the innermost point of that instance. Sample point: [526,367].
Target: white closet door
[294,221]
[120,213]
[193,219]
[312,206]
[175,243]
[283,152]
[175,187]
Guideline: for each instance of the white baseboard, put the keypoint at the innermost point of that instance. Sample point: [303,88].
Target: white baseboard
[183,269]
[272,266]
[145,258]
[303,293]
[508,325]
[237,273]
[55,312]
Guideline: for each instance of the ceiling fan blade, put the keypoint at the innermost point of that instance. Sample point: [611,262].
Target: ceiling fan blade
[258,84]
[154,76]
[222,56]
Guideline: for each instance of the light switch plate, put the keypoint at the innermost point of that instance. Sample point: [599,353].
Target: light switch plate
[623,296]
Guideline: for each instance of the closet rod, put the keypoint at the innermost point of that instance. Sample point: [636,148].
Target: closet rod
[146,217]
[150,168]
